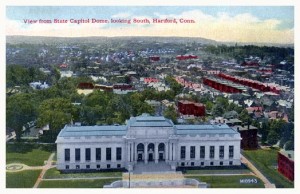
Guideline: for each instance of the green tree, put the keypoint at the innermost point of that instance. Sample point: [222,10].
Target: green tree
[176,87]
[170,113]
[217,110]
[272,138]
[286,133]
[208,105]
[223,102]
[277,126]
[20,110]
[289,145]
[56,113]
[244,116]
[264,131]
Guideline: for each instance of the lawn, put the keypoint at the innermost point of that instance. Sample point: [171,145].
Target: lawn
[53,173]
[218,171]
[99,183]
[229,181]
[29,154]
[266,162]
[23,179]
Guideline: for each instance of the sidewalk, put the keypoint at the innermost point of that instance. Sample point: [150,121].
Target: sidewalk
[44,169]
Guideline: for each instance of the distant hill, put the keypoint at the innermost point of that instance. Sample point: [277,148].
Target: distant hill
[102,39]
[145,39]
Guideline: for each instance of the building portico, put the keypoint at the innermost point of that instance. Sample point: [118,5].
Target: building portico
[150,151]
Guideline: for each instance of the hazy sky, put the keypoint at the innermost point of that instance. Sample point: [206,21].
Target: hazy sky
[272,24]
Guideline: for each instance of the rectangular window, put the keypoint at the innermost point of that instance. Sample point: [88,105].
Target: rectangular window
[67,154]
[108,153]
[202,163]
[87,166]
[231,151]
[221,151]
[77,167]
[221,163]
[98,153]
[77,154]
[211,163]
[182,152]
[108,166]
[98,165]
[230,163]
[192,164]
[211,151]
[118,165]
[119,154]
[182,163]
[67,167]
[87,154]
[202,151]
[193,152]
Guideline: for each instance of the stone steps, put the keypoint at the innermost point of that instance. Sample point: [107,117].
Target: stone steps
[153,176]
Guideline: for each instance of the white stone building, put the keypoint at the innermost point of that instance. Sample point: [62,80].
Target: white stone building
[147,139]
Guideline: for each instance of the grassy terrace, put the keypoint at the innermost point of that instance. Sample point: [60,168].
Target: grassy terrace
[229,181]
[218,171]
[266,162]
[53,173]
[29,154]
[76,183]
[23,179]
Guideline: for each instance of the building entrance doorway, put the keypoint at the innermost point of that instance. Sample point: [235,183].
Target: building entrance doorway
[150,157]
[140,157]
[161,151]
[161,156]
[140,152]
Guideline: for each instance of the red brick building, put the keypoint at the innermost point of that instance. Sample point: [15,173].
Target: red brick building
[221,85]
[148,80]
[186,57]
[250,83]
[249,137]
[191,108]
[154,58]
[286,164]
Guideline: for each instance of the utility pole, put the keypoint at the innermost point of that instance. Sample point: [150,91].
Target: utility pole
[129,180]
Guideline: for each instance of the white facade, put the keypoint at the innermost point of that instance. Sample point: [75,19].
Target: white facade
[147,139]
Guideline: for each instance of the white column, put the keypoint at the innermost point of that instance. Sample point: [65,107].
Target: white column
[156,152]
[207,150]
[197,152]
[132,152]
[93,154]
[103,154]
[187,152]
[113,154]
[166,151]
[170,151]
[82,155]
[135,152]
[128,151]
[146,153]
[217,151]
[174,151]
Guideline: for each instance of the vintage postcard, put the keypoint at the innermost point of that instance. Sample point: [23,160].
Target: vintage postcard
[109,96]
